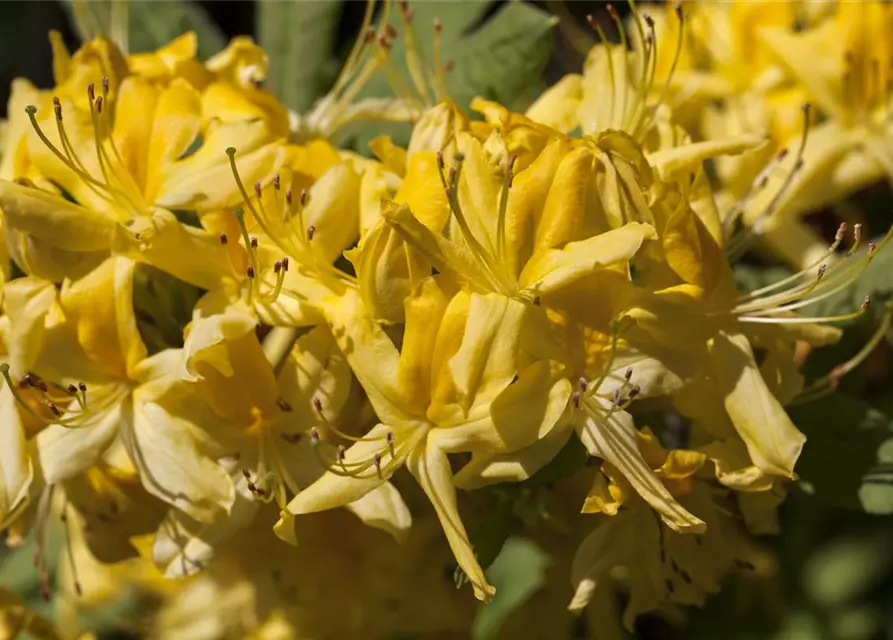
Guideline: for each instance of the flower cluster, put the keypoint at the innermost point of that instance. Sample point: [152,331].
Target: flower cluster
[218,322]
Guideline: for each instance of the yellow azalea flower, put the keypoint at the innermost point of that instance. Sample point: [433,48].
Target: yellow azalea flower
[844,65]
[251,406]
[451,388]
[659,567]
[126,174]
[388,269]
[292,231]
[516,234]
[84,341]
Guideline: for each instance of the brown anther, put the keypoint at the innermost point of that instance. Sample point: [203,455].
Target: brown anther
[821,274]
[99,104]
[575,398]
[841,232]
[252,487]
[57,108]
[390,31]
[33,380]
[261,492]
[72,389]
[317,404]
[782,154]
[341,452]
[872,247]
[253,241]
[449,65]
[669,585]
[45,585]
[680,14]
[617,399]
[451,176]
[305,196]
[448,192]
[91,94]
[246,473]
[390,440]
[288,196]
[250,272]
[223,238]
[277,267]
[438,26]
[628,374]
[314,436]
[866,303]
[283,405]
[649,21]
[591,20]
[612,11]
[369,35]
[635,391]
[55,410]
[276,181]
[857,233]
[310,231]
[440,164]
[583,384]
[285,263]
[257,188]
[105,85]
[377,460]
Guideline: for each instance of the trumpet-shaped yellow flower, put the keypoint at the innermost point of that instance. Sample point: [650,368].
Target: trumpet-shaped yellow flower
[126,173]
[457,384]
[79,355]
[659,567]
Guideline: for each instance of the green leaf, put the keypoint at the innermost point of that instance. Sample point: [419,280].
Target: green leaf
[518,572]
[848,457]
[150,23]
[845,569]
[298,37]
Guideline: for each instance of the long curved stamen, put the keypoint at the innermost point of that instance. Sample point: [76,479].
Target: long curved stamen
[680,16]
[624,47]
[65,406]
[503,207]
[603,39]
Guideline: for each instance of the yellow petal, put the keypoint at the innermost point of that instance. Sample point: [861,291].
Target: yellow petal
[444,255]
[614,439]
[487,360]
[100,307]
[425,308]
[772,440]
[603,497]
[165,450]
[334,211]
[383,508]
[335,489]
[492,468]
[422,190]
[391,156]
[564,209]
[16,471]
[26,302]
[557,106]
[54,219]
[372,356]
[431,468]
[132,128]
[175,127]
[551,269]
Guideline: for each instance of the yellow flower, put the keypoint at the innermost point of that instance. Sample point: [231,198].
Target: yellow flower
[506,228]
[451,388]
[84,341]
[126,173]
[659,567]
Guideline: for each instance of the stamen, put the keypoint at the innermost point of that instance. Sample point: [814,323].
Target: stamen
[223,238]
